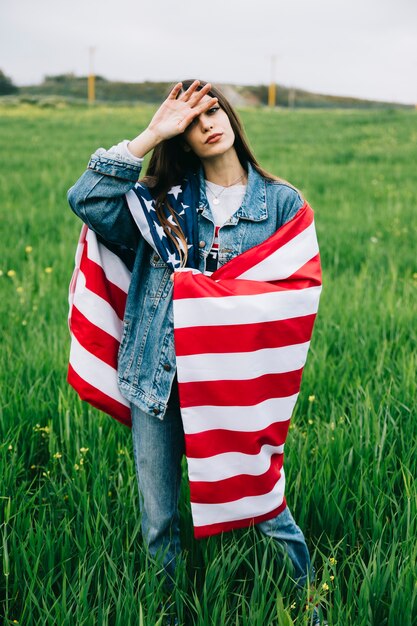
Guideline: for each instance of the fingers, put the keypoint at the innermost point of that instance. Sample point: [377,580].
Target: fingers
[193,94]
[198,95]
[189,92]
[195,112]
[175,91]
[205,106]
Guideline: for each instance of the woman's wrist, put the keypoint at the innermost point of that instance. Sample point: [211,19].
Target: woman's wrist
[144,143]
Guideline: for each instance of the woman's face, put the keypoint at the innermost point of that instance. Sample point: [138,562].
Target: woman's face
[210,134]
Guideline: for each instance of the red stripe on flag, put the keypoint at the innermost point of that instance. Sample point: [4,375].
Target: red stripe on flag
[214,529]
[309,273]
[248,259]
[243,337]
[98,399]
[94,339]
[98,283]
[188,285]
[239,392]
[220,441]
[237,487]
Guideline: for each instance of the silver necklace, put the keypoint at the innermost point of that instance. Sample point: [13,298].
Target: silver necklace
[217,196]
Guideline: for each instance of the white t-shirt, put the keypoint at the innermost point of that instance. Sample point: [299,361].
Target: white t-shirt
[230,200]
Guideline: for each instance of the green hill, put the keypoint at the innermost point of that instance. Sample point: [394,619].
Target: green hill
[75,87]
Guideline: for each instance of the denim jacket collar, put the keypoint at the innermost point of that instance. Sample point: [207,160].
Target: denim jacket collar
[254,202]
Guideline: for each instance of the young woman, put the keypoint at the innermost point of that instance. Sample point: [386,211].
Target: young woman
[196,134]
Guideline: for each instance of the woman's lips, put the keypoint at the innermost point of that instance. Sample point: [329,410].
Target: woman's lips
[214,138]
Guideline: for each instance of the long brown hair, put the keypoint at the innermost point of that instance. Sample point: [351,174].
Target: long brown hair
[169,164]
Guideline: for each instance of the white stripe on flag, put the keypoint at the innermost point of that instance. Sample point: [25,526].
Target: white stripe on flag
[95,372]
[228,464]
[241,365]
[246,419]
[97,310]
[114,268]
[138,215]
[248,309]
[251,506]
[286,260]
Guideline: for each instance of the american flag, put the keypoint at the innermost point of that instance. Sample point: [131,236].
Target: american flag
[97,300]
[241,342]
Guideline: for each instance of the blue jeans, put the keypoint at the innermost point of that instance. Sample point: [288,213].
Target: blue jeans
[158,447]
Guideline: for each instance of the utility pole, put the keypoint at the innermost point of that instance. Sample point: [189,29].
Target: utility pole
[91,77]
[272,91]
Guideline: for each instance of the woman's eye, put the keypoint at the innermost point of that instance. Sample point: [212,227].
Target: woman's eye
[213,109]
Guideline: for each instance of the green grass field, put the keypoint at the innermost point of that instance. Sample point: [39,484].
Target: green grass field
[70,545]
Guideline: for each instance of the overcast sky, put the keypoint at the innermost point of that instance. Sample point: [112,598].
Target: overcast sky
[364,48]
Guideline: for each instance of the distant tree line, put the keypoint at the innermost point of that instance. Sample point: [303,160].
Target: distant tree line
[6,85]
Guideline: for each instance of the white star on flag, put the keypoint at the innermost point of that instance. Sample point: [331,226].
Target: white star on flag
[149,205]
[175,191]
[159,230]
[172,259]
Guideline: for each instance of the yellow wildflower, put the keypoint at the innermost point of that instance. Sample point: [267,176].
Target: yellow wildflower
[415,275]
[332,561]
[310,421]
[33,466]
[38,427]
[11,273]
[109,493]
[293,605]
[311,398]
[84,450]
[24,323]
[121,451]
[325,587]
[28,249]
[332,578]
[48,270]
[76,467]
[57,455]
[19,289]
[10,447]
[1,272]
[81,461]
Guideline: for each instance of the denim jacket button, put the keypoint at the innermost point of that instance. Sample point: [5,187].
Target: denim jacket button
[156,411]
[167,367]
[202,244]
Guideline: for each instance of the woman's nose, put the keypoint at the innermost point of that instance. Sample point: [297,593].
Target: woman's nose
[206,122]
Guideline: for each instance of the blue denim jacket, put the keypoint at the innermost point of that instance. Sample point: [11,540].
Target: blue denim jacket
[146,360]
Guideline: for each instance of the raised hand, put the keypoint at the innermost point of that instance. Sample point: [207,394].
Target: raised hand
[175,114]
